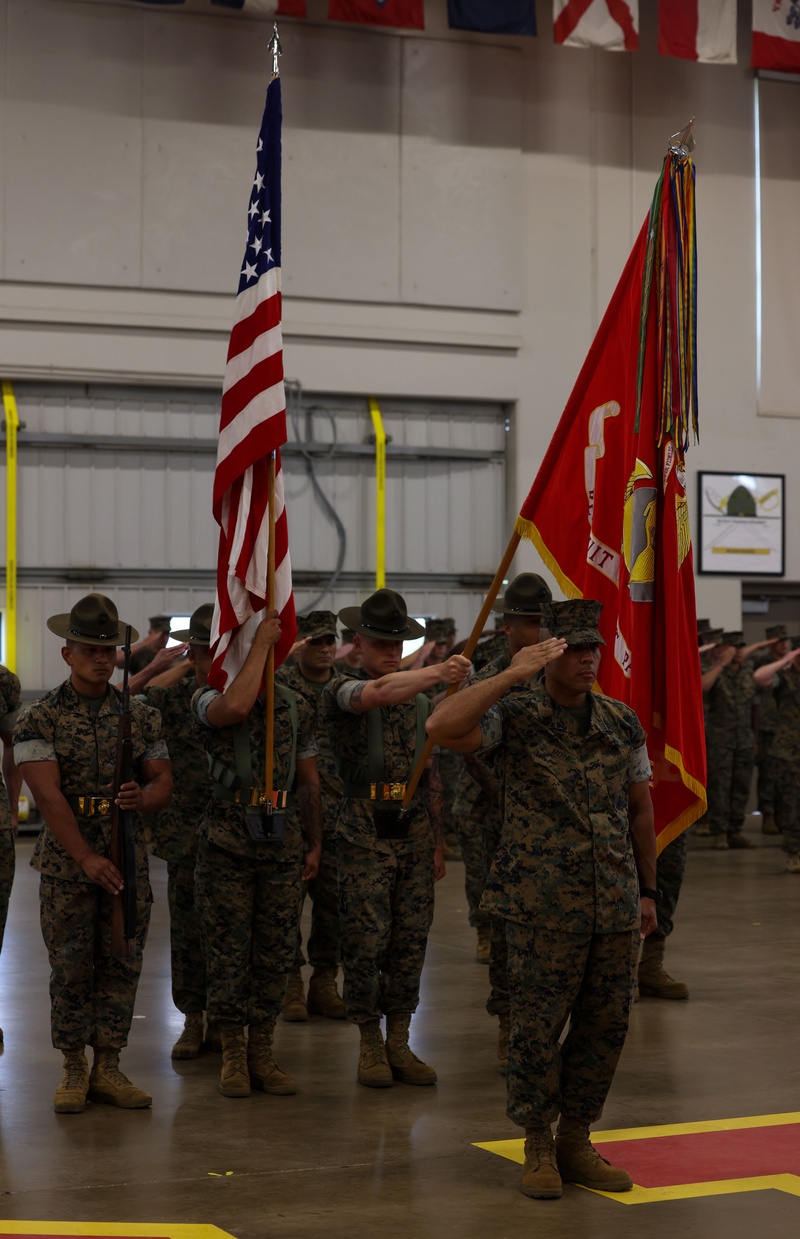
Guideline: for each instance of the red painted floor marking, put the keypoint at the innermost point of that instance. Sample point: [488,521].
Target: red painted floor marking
[702,1157]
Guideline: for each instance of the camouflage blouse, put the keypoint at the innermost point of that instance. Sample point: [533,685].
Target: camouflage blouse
[9,705]
[565,859]
[61,727]
[174,829]
[222,821]
[329,781]
[347,732]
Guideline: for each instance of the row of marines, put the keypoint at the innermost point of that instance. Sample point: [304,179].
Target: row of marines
[571,888]
[751,701]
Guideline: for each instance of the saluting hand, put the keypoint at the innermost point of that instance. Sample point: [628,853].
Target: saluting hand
[454,670]
[531,658]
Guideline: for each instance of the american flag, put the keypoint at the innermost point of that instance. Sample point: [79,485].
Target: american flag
[253,425]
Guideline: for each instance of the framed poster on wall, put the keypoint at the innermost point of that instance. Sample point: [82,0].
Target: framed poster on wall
[742,523]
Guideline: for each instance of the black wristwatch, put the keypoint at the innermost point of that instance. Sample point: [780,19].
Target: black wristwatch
[647,892]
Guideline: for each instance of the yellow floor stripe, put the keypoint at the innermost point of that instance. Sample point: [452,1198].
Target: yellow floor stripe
[514,1151]
[148,1230]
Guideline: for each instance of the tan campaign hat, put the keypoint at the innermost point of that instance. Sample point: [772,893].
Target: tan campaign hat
[92,621]
[525,595]
[199,630]
[384,616]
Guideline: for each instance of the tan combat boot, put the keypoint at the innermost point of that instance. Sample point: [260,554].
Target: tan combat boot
[540,1177]
[294,1002]
[403,1062]
[323,996]
[70,1097]
[190,1042]
[654,982]
[484,948]
[503,1034]
[234,1078]
[579,1162]
[109,1087]
[373,1065]
[265,1073]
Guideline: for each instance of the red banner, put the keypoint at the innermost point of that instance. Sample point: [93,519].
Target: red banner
[609,517]
[379,12]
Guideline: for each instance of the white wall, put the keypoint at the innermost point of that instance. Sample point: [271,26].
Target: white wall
[457,212]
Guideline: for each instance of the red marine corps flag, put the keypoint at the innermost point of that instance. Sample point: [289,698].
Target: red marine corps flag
[608,509]
[252,428]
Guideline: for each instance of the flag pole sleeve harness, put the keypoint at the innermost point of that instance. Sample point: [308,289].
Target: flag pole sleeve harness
[237,786]
[371,784]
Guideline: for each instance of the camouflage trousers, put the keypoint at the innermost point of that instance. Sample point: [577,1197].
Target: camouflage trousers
[554,976]
[7,863]
[787,804]
[185,938]
[730,773]
[323,940]
[767,774]
[669,879]
[92,993]
[248,913]
[385,913]
[469,832]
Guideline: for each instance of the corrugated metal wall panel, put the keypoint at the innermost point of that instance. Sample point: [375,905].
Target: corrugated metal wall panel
[133,518]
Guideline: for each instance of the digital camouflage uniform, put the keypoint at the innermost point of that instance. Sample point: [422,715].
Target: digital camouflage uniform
[323,940]
[730,742]
[786,748]
[247,892]
[385,885]
[174,837]
[766,761]
[92,993]
[564,879]
[9,705]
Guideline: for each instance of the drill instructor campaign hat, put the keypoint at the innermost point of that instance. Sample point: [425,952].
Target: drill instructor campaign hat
[383,616]
[92,621]
[199,630]
[316,624]
[525,595]
[575,621]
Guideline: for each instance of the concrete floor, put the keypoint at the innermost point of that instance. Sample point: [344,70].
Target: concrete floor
[341,1160]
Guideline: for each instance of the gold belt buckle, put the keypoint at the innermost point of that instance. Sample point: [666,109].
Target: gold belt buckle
[102,806]
[388,791]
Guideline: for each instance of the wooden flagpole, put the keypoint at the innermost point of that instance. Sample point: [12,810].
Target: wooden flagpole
[469,649]
[270,669]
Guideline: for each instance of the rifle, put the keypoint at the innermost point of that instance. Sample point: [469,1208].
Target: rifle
[123,849]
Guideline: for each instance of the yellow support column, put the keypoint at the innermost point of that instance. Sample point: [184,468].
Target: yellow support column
[380,495]
[12,426]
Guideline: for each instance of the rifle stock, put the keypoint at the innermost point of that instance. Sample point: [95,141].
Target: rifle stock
[123,849]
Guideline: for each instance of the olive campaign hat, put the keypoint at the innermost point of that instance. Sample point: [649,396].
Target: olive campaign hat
[733,638]
[525,595]
[778,632]
[199,630]
[316,624]
[383,616]
[437,630]
[574,621]
[92,621]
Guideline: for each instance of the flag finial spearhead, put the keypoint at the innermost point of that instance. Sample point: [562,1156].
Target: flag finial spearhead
[276,50]
[682,143]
